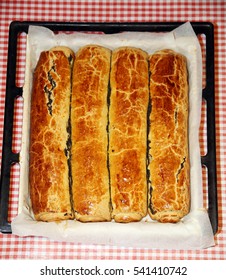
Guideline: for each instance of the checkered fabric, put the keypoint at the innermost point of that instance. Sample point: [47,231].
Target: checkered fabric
[113,11]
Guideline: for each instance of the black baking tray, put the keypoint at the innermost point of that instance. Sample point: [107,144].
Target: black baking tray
[12,92]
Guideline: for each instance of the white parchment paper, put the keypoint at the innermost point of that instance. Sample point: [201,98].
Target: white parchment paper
[194,231]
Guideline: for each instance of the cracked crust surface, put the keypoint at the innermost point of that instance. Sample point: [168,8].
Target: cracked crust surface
[168,136]
[91,193]
[49,138]
[128,132]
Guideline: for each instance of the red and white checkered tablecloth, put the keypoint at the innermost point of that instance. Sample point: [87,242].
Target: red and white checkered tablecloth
[12,246]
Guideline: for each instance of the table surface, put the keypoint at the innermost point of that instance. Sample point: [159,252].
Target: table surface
[11,246]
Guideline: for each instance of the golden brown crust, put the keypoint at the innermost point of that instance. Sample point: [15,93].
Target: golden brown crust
[91,194]
[128,134]
[49,138]
[168,137]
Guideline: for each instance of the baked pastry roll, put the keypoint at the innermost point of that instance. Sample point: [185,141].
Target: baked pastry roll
[168,137]
[128,133]
[91,196]
[50,143]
